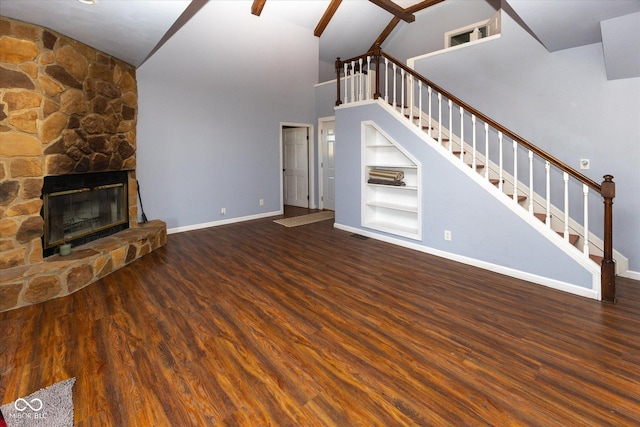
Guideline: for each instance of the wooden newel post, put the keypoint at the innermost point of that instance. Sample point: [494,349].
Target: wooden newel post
[608,266]
[376,53]
[338,69]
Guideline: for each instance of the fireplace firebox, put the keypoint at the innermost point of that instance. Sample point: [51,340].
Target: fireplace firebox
[80,208]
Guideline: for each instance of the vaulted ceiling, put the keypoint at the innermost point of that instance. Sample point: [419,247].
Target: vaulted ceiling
[131,30]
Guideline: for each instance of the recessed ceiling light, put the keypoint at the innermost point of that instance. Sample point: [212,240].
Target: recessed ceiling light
[88,1]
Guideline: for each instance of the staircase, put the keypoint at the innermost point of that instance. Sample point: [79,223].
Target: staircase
[505,184]
[544,189]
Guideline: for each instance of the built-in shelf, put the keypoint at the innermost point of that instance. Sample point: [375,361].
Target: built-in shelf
[393,209]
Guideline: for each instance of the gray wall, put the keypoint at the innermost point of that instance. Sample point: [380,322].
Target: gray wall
[211,101]
[560,101]
[482,227]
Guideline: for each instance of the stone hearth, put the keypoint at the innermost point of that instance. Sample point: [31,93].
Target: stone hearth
[65,108]
[58,276]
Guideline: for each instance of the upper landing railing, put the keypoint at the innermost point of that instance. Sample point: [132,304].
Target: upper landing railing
[484,143]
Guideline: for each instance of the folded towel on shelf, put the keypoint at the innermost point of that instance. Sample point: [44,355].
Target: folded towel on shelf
[386,174]
[394,182]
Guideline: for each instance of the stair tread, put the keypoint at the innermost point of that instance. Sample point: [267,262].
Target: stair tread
[541,216]
[521,198]
[573,238]
[596,258]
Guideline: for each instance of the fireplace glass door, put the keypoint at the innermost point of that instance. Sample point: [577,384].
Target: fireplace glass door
[73,214]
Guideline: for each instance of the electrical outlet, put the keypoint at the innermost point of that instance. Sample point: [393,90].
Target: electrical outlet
[261,202]
[584,163]
[447,235]
[223,211]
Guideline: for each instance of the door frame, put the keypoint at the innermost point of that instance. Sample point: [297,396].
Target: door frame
[310,160]
[321,125]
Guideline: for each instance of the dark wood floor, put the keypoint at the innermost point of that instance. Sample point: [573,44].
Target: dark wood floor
[257,324]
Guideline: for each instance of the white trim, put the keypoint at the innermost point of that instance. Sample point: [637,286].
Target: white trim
[518,274]
[222,222]
[310,166]
[401,231]
[630,274]
[468,28]
[321,123]
[325,83]
[357,104]
[411,61]
[576,254]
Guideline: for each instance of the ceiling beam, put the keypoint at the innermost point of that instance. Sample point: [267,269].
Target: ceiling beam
[385,33]
[394,9]
[328,14]
[256,7]
[395,20]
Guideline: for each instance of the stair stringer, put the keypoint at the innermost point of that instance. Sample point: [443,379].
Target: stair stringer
[596,244]
[589,283]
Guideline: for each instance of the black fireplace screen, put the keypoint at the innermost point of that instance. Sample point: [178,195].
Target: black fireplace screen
[83,211]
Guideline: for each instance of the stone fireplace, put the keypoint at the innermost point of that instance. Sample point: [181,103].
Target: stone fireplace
[67,113]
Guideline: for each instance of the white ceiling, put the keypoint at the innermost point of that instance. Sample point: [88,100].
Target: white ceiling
[126,29]
[131,30]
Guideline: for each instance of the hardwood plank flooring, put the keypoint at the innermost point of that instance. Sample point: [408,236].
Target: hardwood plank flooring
[257,324]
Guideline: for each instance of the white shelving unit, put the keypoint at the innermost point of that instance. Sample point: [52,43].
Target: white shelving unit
[389,208]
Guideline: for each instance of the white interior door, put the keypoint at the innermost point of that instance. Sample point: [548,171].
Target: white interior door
[328,166]
[296,167]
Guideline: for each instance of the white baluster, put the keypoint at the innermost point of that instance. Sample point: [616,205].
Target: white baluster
[585,191]
[450,126]
[486,151]
[402,104]
[500,165]
[386,80]
[430,120]
[411,96]
[368,79]
[473,150]
[461,135]
[531,182]
[346,85]
[439,118]
[515,171]
[547,167]
[420,106]
[353,81]
[566,206]
[360,81]
[395,73]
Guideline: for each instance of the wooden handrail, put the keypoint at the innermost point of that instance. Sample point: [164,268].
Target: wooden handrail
[505,131]
[606,189]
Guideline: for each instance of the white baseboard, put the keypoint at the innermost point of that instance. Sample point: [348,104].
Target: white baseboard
[523,275]
[630,274]
[222,222]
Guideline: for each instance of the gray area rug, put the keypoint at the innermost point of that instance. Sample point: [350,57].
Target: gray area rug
[306,219]
[51,407]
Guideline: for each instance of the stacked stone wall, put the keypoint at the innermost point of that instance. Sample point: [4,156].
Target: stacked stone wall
[65,108]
